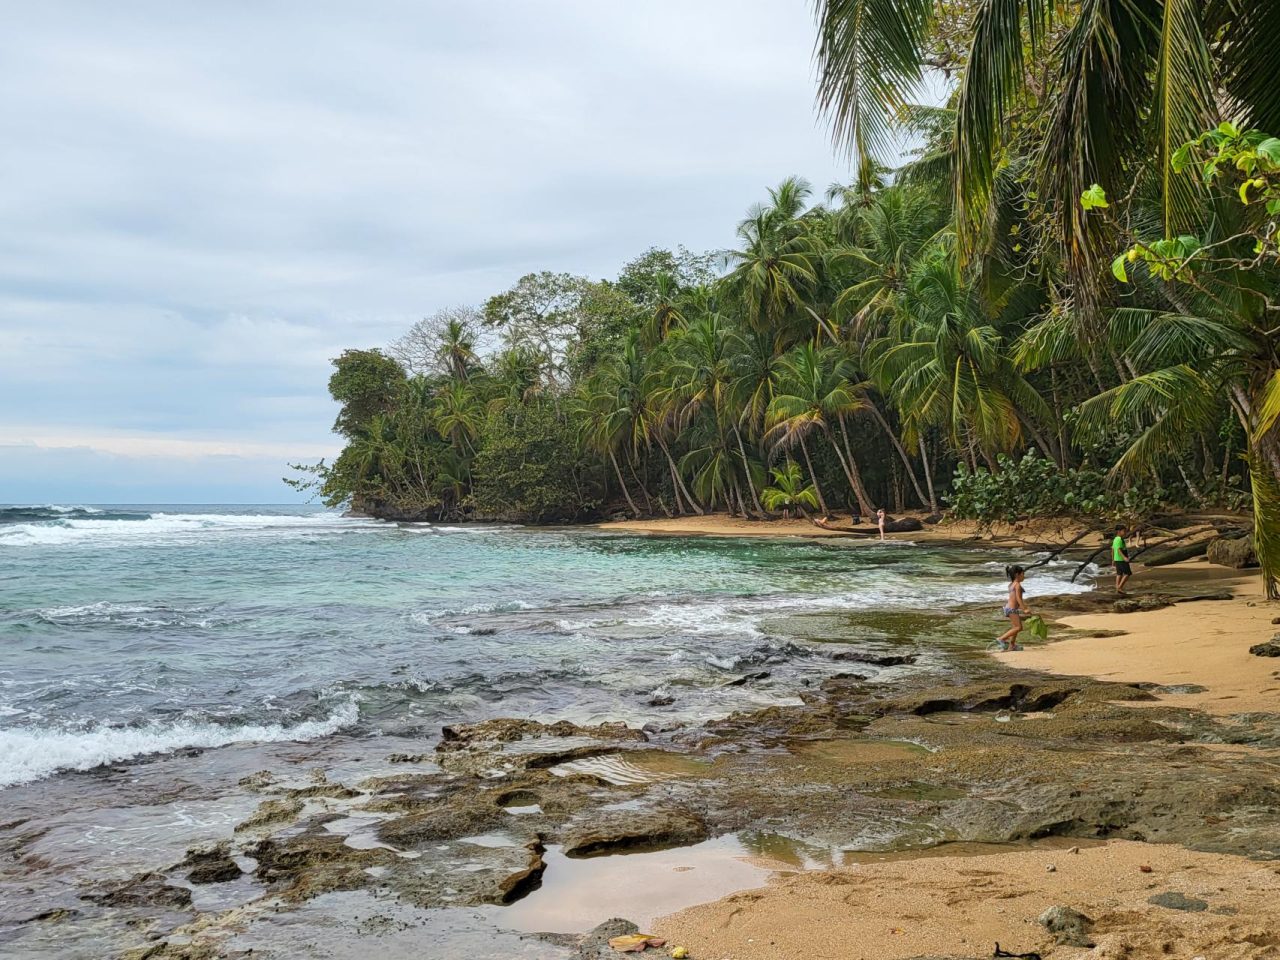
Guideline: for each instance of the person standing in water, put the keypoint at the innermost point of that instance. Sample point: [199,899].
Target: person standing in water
[1014,608]
[880,521]
[1120,557]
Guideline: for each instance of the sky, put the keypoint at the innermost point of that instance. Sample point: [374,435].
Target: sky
[203,203]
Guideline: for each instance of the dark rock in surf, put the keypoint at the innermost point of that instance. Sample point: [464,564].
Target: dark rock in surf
[875,659]
[747,678]
[211,864]
[143,890]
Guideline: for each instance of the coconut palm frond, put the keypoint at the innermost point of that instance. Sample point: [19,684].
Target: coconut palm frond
[869,55]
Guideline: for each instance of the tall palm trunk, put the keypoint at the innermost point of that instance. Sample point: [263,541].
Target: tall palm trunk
[928,475]
[746,471]
[902,452]
[817,486]
[644,491]
[623,484]
[676,479]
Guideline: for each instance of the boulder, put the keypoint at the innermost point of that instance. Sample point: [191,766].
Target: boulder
[1236,553]
[1269,649]
[1069,927]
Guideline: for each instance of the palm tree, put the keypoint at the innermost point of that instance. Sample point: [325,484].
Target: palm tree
[613,404]
[458,415]
[789,491]
[948,365]
[1121,84]
[778,266]
[816,393]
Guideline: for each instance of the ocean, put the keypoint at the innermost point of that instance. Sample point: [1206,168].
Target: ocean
[135,630]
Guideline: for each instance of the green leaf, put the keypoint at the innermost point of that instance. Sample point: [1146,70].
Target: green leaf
[1117,268]
[1181,158]
[1244,191]
[1095,196]
[1189,244]
[1270,150]
[1229,129]
[1273,206]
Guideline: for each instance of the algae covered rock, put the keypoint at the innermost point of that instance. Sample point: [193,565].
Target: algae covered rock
[625,830]
[1269,649]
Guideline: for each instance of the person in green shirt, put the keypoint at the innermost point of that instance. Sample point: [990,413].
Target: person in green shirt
[1120,557]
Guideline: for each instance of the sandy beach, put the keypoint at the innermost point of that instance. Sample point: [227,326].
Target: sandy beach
[961,906]
[948,531]
[1202,645]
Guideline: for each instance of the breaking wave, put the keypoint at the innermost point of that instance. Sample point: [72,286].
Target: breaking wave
[27,754]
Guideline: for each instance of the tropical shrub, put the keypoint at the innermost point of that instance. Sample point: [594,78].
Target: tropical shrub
[1035,486]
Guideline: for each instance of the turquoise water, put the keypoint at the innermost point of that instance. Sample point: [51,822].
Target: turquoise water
[130,630]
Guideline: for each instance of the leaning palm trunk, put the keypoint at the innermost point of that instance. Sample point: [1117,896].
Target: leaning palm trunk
[623,484]
[853,473]
[676,479]
[928,474]
[822,501]
[746,472]
[897,445]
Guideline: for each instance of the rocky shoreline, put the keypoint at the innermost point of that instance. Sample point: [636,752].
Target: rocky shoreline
[979,753]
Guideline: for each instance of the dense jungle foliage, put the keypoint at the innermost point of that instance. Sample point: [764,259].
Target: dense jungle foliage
[1063,301]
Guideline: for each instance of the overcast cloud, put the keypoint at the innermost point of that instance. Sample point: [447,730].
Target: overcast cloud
[204,202]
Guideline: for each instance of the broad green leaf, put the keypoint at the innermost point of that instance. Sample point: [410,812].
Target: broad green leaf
[1229,129]
[1189,244]
[1095,196]
[1273,206]
[1270,150]
[1118,269]
[1181,157]
[1244,191]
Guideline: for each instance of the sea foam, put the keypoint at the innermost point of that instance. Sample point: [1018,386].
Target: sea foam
[27,754]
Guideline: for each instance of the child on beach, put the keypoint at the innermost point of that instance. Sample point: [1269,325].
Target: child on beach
[1015,609]
[1120,557]
[880,521]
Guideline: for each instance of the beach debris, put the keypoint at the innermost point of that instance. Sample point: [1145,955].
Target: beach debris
[1177,901]
[1015,956]
[636,942]
[679,953]
[1074,850]
[1145,868]
[1050,868]
[1036,626]
[1069,927]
